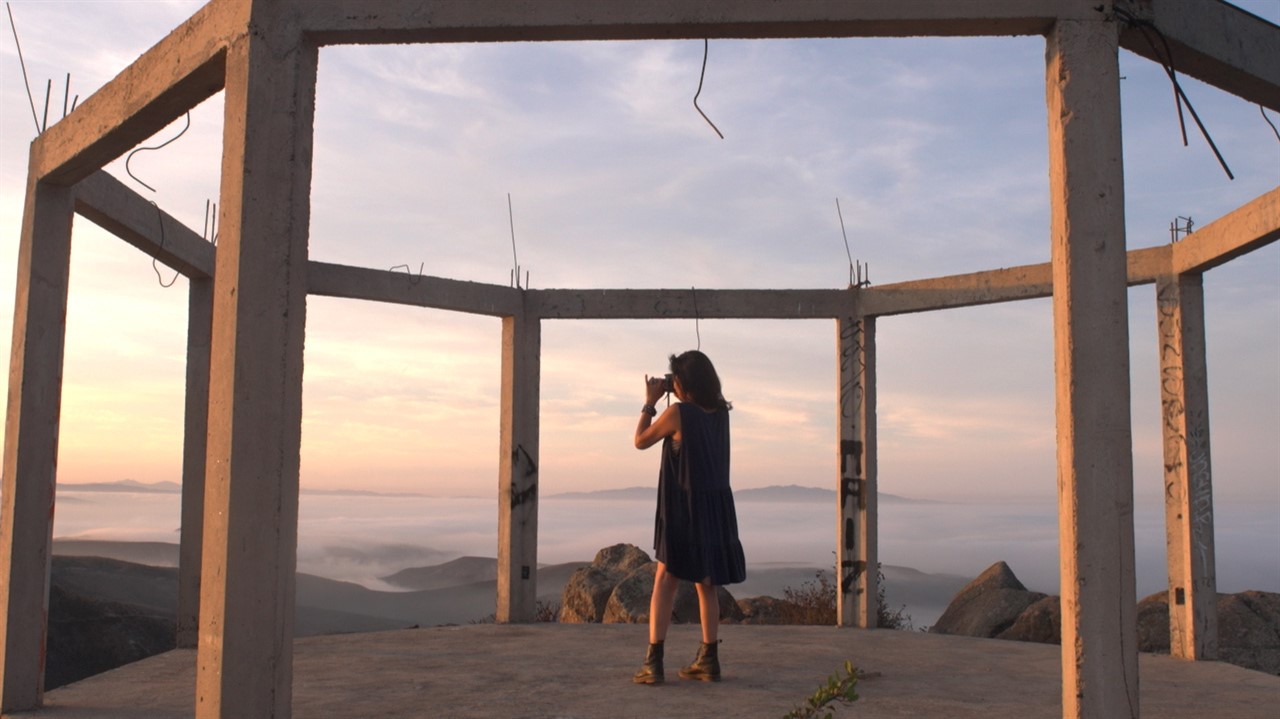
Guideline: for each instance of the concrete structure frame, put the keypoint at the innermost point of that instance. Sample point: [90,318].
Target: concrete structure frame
[247,308]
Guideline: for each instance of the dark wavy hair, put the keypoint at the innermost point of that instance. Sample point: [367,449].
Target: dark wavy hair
[699,379]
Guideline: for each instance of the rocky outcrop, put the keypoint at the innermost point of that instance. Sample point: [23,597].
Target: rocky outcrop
[767,610]
[625,558]
[1248,622]
[1041,622]
[88,636]
[1249,630]
[617,586]
[586,594]
[1153,623]
[988,605]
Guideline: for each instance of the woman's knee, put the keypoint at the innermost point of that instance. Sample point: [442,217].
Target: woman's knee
[663,578]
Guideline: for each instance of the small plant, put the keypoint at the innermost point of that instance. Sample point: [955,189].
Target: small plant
[542,612]
[548,611]
[889,618]
[835,690]
[814,602]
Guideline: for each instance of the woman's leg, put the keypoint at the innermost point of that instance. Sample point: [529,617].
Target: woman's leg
[709,611]
[706,666]
[660,603]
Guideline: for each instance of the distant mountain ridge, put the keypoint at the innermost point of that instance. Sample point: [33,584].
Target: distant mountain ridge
[132,485]
[775,493]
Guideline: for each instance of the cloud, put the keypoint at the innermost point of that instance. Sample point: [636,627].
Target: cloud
[935,147]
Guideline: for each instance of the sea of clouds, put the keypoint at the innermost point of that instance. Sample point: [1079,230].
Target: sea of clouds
[362,538]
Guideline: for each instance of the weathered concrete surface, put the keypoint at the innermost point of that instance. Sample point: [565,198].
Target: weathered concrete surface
[402,21]
[31,440]
[1188,476]
[856,534]
[255,372]
[518,468]
[579,671]
[175,75]
[1091,373]
[1212,41]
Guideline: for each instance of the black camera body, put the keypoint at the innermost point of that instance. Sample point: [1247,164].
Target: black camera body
[667,385]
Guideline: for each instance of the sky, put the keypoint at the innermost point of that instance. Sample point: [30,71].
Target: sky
[935,149]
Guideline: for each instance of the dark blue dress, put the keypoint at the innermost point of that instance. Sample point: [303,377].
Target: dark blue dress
[696,527]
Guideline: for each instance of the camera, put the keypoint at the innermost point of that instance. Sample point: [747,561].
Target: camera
[667,385]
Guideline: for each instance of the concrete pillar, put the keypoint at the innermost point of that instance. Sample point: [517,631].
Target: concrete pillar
[31,443]
[856,555]
[518,469]
[245,653]
[1188,482]
[195,445]
[1091,362]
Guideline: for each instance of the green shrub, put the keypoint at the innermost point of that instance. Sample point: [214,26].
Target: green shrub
[814,602]
[835,690]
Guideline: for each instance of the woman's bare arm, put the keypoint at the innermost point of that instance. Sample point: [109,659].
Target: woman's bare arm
[649,433]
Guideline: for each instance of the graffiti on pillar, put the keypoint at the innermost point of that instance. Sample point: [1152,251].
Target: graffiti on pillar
[853,485]
[851,369]
[529,493]
[1172,407]
[1185,434]
[1200,487]
[851,571]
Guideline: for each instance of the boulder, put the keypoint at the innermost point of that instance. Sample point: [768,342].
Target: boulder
[1041,622]
[89,636]
[1249,630]
[586,594]
[986,606]
[629,602]
[624,558]
[766,610]
[1153,623]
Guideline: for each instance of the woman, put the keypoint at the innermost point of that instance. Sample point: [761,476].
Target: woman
[696,528]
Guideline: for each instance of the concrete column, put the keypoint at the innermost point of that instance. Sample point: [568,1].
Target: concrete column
[1091,362]
[518,469]
[1188,482]
[31,443]
[856,555]
[194,447]
[245,653]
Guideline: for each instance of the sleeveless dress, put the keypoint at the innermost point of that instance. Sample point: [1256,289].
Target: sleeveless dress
[696,527]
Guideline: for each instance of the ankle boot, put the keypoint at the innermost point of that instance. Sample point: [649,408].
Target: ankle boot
[651,671]
[706,666]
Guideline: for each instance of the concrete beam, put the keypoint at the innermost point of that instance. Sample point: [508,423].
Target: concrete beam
[1253,225]
[407,21]
[857,555]
[518,469]
[1188,476]
[688,304]
[175,75]
[113,206]
[991,286]
[31,443]
[1091,371]
[361,283]
[1210,40]
[194,450]
[245,656]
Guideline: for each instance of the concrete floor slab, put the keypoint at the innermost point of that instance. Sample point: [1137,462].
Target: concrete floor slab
[578,671]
